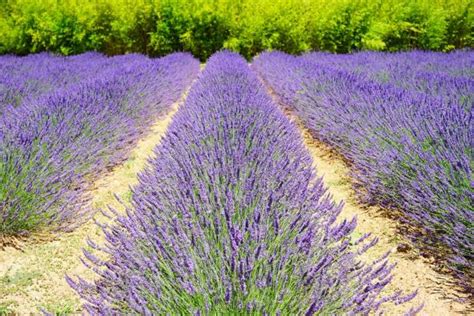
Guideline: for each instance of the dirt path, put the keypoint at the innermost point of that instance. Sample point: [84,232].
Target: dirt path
[34,278]
[412,272]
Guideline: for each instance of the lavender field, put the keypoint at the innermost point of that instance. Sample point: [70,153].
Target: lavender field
[219,186]
[405,122]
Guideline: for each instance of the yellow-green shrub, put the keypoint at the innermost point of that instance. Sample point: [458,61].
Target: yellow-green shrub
[158,27]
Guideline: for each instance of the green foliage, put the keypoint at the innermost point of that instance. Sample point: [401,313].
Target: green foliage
[5,310]
[61,309]
[158,27]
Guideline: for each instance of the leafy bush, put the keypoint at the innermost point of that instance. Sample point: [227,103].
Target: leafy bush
[159,27]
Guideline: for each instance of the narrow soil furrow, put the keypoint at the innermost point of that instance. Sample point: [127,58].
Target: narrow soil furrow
[32,278]
[412,272]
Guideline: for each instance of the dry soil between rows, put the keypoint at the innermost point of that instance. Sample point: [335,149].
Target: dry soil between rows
[32,278]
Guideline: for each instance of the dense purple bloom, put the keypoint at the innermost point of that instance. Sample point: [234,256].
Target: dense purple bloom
[25,79]
[405,121]
[449,76]
[230,218]
[66,119]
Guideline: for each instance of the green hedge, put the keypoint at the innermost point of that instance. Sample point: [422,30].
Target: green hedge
[158,27]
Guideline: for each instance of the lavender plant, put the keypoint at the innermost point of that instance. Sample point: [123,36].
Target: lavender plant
[449,76]
[27,78]
[410,142]
[73,118]
[229,218]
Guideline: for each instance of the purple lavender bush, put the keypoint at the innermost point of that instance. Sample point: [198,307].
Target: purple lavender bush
[73,118]
[230,219]
[410,143]
[27,78]
[449,76]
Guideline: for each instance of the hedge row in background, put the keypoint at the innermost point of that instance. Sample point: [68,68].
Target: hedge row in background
[158,27]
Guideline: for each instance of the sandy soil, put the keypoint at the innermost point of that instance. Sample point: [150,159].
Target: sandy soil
[32,279]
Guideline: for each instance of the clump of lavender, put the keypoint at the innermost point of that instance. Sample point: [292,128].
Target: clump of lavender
[65,120]
[405,122]
[25,79]
[447,76]
[229,218]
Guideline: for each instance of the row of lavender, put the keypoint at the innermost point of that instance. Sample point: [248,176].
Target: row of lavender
[229,218]
[22,80]
[405,121]
[65,120]
[450,77]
